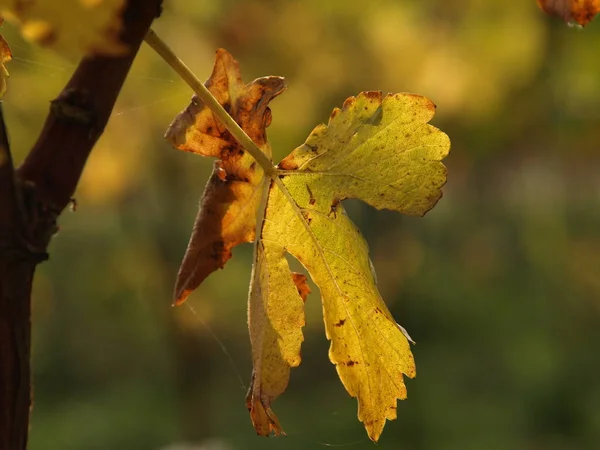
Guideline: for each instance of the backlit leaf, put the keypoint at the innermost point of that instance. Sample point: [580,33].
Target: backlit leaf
[383,152]
[378,149]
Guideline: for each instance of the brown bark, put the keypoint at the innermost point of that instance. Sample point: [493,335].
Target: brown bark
[32,198]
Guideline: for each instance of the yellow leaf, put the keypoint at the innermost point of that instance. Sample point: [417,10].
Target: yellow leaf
[383,152]
[275,318]
[70,26]
[379,150]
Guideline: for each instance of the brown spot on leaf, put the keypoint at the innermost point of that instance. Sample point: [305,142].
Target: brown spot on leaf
[311,197]
[226,152]
[348,103]
[306,216]
[340,323]
[334,207]
[312,148]
[301,284]
[373,95]
[287,163]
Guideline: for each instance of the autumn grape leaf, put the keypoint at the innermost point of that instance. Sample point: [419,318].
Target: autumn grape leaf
[579,11]
[378,149]
[70,26]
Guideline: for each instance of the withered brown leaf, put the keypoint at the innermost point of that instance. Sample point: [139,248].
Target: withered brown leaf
[227,214]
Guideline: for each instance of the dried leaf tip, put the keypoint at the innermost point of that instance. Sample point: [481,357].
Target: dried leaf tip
[580,12]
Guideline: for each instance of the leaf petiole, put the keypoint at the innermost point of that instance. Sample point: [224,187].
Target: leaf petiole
[165,52]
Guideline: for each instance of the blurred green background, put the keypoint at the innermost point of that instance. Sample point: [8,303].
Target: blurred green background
[499,284]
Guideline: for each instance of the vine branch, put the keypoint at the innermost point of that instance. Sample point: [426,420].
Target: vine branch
[32,198]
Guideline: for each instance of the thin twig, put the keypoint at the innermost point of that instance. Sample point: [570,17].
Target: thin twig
[160,47]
